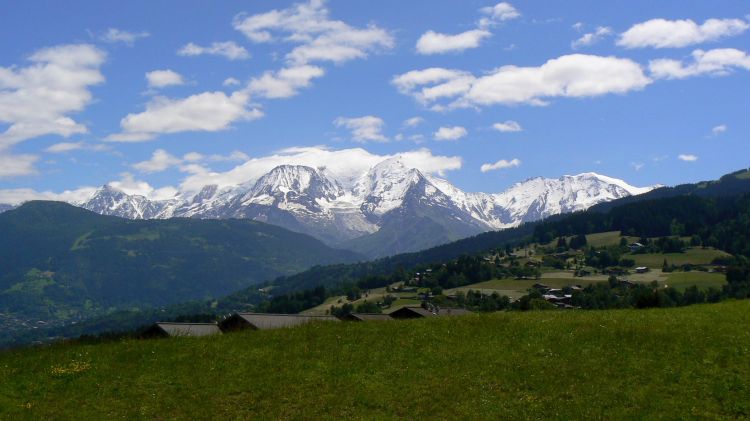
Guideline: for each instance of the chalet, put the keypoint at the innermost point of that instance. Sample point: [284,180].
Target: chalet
[366,317]
[558,300]
[262,321]
[164,329]
[641,269]
[541,287]
[420,312]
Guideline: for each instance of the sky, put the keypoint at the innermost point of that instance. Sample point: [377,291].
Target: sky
[158,98]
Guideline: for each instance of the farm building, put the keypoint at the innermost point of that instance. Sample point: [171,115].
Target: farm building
[419,312]
[366,317]
[163,329]
[261,321]
[641,269]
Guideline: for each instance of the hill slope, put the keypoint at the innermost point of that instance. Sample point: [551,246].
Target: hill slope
[646,364]
[59,263]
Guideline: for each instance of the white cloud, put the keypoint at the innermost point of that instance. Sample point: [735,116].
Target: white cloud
[230,81]
[687,157]
[19,196]
[160,160]
[592,38]
[13,165]
[637,165]
[227,49]
[207,112]
[286,82]
[662,33]
[63,147]
[501,164]
[413,122]
[500,12]
[162,78]
[450,133]
[575,75]
[318,38]
[509,126]
[36,100]
[717,62]
[345,164]
[578,26]
[432,42]
[114,35]
[719,129]
[367,128]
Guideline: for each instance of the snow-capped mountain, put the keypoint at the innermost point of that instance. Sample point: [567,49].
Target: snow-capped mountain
[389,209]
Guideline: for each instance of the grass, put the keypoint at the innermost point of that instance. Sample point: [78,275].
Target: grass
[695,256]
[688,362]
[602,239]
[703,280]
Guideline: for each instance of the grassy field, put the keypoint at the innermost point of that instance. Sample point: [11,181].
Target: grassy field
[645,364]
[695,256]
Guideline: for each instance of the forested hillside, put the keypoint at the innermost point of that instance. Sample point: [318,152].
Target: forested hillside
[62,264]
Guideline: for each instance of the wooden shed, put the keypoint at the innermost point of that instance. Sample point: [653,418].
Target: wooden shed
[419,312]
[262,321]
[366,317]
[169,329]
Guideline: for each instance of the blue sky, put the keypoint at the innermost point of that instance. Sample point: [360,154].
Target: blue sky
[650,92]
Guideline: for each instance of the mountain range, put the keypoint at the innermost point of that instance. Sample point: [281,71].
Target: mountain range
[389,209]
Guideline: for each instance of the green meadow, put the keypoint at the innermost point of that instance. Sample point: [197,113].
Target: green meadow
[689,362]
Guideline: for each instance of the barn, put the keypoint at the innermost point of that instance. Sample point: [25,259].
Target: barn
[366,317]
[169,329]
[419,312]
[262,321]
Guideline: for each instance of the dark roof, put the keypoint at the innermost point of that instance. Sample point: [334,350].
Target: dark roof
[186,329]
[275,321]
[366,317]
[422,312]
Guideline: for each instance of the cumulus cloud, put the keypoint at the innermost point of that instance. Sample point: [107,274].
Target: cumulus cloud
[317,37]
[227,49]
[64,147]
[130,185]
[114,35]
[286,82]
[717,130]
[591,38]
[687,157]
[501,164]
[162,160]
[162,78]
[19,196]
[450,133]
[346,165]
[36,100]
[573,76]
[500,12]
[662,33]
[413,122]
[509,126]
[363,129]
[230,81]
[432,42]
[207,112]
[717,62]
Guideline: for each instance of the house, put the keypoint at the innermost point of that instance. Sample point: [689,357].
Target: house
[541,287]
[420,312]
[262,321]
[366,317]
[635,247]
[557,300]
[164,330]
[641,269]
